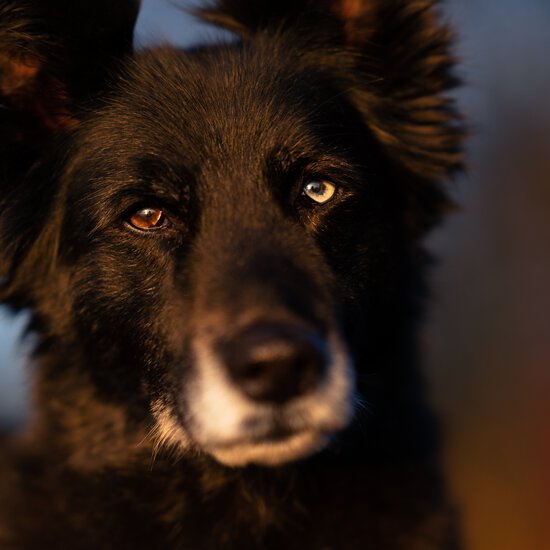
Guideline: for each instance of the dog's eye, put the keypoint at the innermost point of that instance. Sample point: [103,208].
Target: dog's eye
[320,191]
[147,219]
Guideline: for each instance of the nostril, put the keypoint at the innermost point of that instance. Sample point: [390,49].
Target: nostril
[275,362]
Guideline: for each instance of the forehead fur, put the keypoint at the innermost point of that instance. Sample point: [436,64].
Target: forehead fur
[212,101]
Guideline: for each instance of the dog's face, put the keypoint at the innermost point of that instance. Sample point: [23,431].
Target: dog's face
[211,224]
[203,244]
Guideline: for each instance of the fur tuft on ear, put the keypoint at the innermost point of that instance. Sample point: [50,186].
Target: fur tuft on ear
[415,119]
[52,54]
[401,65]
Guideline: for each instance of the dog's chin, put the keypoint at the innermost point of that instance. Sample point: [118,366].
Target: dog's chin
[270,451]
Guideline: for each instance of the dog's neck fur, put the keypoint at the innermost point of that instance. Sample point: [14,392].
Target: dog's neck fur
[379,480]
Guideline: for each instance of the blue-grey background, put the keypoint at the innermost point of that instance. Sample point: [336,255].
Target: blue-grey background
[488,337]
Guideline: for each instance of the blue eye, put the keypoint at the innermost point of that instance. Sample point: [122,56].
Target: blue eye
[319,191]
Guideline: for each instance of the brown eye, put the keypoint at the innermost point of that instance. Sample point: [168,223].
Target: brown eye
[147,219]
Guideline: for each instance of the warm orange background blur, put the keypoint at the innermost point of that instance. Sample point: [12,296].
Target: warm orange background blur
[489,336]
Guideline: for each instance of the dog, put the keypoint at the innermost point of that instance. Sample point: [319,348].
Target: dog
[221,252]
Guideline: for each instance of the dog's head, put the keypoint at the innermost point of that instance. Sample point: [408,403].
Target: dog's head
[204,233]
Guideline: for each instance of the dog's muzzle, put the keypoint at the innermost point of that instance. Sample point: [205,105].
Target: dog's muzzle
[272,393]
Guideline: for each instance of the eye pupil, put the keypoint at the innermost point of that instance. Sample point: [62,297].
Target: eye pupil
[148,218]
[316,187]
[319,191]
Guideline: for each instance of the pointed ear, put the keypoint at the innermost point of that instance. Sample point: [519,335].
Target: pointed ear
[53,54]
[401,66]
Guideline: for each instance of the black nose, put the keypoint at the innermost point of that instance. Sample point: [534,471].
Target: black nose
[275,362]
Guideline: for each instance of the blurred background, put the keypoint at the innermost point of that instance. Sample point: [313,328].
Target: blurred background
[487,343]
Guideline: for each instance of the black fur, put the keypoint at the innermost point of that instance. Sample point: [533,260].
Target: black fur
[222,139]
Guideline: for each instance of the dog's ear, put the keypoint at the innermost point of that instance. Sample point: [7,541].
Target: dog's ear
[54,54]
[55,58]
[401,66]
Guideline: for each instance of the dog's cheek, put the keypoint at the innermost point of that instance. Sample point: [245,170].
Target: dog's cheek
[121,309]
[360,241]
[168,356]
[363,244]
